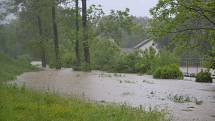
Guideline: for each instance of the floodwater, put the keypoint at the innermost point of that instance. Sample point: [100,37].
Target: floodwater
[132,89]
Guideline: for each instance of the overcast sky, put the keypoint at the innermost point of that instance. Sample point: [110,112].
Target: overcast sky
[137,7]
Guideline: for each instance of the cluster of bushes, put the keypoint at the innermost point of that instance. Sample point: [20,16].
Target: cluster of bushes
[106,55]
[147,62]
[168,72]
[204,77]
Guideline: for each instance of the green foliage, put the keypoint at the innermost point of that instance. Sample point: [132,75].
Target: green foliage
[168,72]
[143,62]
[24,59]
[204,77]
[165,58]
[66,59]
[10,68]
[104,53]
[188,24]
[127,63]
[150,60]
[121,27]
[210,61]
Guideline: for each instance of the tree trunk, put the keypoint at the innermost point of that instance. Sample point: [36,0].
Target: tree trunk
[43,52]
[85,34]
[77,32]
[55,37]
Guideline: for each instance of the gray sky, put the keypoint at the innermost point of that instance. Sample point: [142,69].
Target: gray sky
[137,7]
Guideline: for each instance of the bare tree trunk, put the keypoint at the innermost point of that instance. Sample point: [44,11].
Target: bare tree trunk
[77,32]
[56,41]
[85,34]
[43,52]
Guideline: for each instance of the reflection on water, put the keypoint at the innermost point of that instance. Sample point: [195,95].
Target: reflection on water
[131,89]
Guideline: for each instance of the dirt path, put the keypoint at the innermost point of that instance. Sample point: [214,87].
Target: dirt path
[185,100]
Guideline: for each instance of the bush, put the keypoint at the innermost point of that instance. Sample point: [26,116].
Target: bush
[67,59]
[204,77]
[104,54]
[23,60]
[168,72]
[164,58]
[127,63]
[148,59]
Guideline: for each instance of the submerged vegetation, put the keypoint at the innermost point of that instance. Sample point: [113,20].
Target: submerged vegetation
[204,77]
[185,99]
[168,72]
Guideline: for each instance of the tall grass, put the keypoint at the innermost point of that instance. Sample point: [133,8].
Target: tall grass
[19,104]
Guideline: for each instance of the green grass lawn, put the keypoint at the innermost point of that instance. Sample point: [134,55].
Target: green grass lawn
[20,104]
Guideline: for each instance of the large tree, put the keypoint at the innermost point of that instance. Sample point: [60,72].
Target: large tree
[32,17]
[189,23]
[55,36]
[77,48]
[85,34]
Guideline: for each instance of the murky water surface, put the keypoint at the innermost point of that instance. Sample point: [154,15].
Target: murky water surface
[185,100]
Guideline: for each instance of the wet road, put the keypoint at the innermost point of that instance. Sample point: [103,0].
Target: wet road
[131,89]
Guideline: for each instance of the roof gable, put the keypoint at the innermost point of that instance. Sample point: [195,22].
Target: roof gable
[142,43]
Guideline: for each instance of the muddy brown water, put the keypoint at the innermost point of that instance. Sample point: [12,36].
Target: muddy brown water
[132,89]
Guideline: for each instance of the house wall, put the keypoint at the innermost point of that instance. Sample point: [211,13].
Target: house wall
[148,45]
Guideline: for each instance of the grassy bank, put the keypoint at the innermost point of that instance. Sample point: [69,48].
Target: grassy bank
[10,68]
[20,104]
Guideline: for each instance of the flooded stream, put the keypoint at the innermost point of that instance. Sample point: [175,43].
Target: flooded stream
[185,100]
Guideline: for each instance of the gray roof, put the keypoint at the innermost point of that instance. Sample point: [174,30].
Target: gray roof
[142,43]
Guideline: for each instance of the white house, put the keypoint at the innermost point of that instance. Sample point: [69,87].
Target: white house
[146,44]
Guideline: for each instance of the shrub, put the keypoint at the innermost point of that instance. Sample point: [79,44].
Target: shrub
[168,72]
[67,59]
[204,77]
[147,62]
[104,54]
[127,63]
[142,67]
[164,58]
[23,61]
